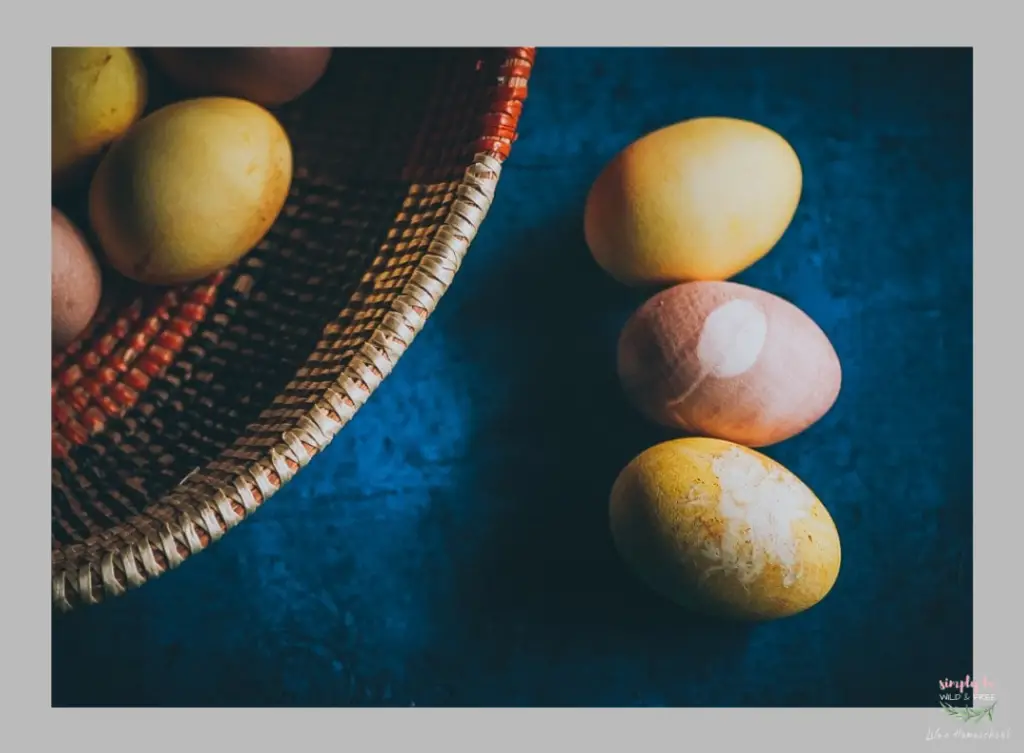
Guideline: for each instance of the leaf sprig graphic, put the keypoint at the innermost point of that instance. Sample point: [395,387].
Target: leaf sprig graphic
[968,714]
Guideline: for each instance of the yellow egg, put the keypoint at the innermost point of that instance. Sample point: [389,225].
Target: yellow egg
[96,94]
[724,530]
[192,188]
[699,200]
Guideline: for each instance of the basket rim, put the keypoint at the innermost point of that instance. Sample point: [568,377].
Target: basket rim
[204,510]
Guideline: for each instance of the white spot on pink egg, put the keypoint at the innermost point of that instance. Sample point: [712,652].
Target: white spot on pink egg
[732,338]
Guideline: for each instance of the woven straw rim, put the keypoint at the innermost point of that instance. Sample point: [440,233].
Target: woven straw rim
[203,510]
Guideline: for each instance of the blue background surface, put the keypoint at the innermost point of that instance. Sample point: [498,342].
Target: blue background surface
[451,546]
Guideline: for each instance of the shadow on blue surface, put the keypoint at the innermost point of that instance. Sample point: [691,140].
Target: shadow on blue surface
[451,547]
[547,556]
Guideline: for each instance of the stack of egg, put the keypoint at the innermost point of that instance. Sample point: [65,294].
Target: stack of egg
[704,519]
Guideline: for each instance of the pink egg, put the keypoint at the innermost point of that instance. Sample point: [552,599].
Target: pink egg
[725,360]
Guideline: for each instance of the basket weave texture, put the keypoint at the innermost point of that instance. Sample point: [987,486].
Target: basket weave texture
[180,411]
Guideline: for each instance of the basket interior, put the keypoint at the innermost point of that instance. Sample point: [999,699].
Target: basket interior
[173,395]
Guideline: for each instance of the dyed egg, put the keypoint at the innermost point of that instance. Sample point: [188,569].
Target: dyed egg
[269,76]
[76,281]
[700,200]
[729,361]
[96,95]
[723,530]
[190,189]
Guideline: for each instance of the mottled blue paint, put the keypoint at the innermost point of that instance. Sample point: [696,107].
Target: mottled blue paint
[451,547]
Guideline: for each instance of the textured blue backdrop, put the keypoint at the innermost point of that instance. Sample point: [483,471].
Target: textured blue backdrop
[451,546]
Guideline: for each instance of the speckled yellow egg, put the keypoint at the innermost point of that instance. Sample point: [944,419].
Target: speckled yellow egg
[724,530]
[699,200]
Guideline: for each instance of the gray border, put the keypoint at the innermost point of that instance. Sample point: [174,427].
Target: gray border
[996,65]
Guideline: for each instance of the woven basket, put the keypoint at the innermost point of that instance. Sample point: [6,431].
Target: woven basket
[181,411]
